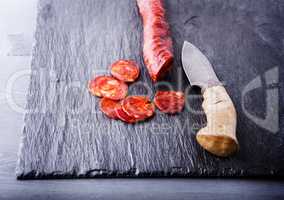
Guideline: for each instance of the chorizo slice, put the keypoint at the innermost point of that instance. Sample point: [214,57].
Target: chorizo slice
[108,107]
[139,107]
[107,86]
[170,102]
[125,70]
[123,116]
[157,47]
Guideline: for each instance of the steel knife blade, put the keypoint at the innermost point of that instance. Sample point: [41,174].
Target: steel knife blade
[197,67]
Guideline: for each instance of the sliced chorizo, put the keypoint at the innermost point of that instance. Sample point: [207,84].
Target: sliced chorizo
[108,107]
[107,86]
[169,101]
[139,107]
[123,116]
[125,70]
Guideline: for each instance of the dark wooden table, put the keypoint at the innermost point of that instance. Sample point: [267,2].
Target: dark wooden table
[15,66]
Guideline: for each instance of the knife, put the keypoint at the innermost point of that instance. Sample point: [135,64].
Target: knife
[219,135]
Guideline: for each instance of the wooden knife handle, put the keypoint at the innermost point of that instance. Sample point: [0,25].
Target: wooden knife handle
[219,136]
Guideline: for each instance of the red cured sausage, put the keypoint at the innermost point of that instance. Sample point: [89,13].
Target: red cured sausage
[139,107]
[108,107]
[107,86]
[123,116]
[125,70]
[157,49]
[169,101]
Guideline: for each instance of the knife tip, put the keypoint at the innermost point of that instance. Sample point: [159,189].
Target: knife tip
[186,43]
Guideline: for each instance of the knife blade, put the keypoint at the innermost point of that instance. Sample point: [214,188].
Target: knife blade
[219,135]
[197,68]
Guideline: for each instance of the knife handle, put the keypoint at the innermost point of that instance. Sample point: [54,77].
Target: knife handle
[219,136]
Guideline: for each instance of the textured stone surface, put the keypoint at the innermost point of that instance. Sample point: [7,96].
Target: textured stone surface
[66,136]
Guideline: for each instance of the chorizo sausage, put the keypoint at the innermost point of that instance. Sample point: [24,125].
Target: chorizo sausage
[125,70]
[107,86]
[108,107]
[157,48]
[139,107]
[170,102]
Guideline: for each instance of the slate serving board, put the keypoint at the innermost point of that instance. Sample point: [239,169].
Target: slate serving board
[65,134]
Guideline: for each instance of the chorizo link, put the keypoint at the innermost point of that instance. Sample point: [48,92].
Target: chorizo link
[157,48]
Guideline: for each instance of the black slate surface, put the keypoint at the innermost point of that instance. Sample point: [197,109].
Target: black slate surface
[65,134]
